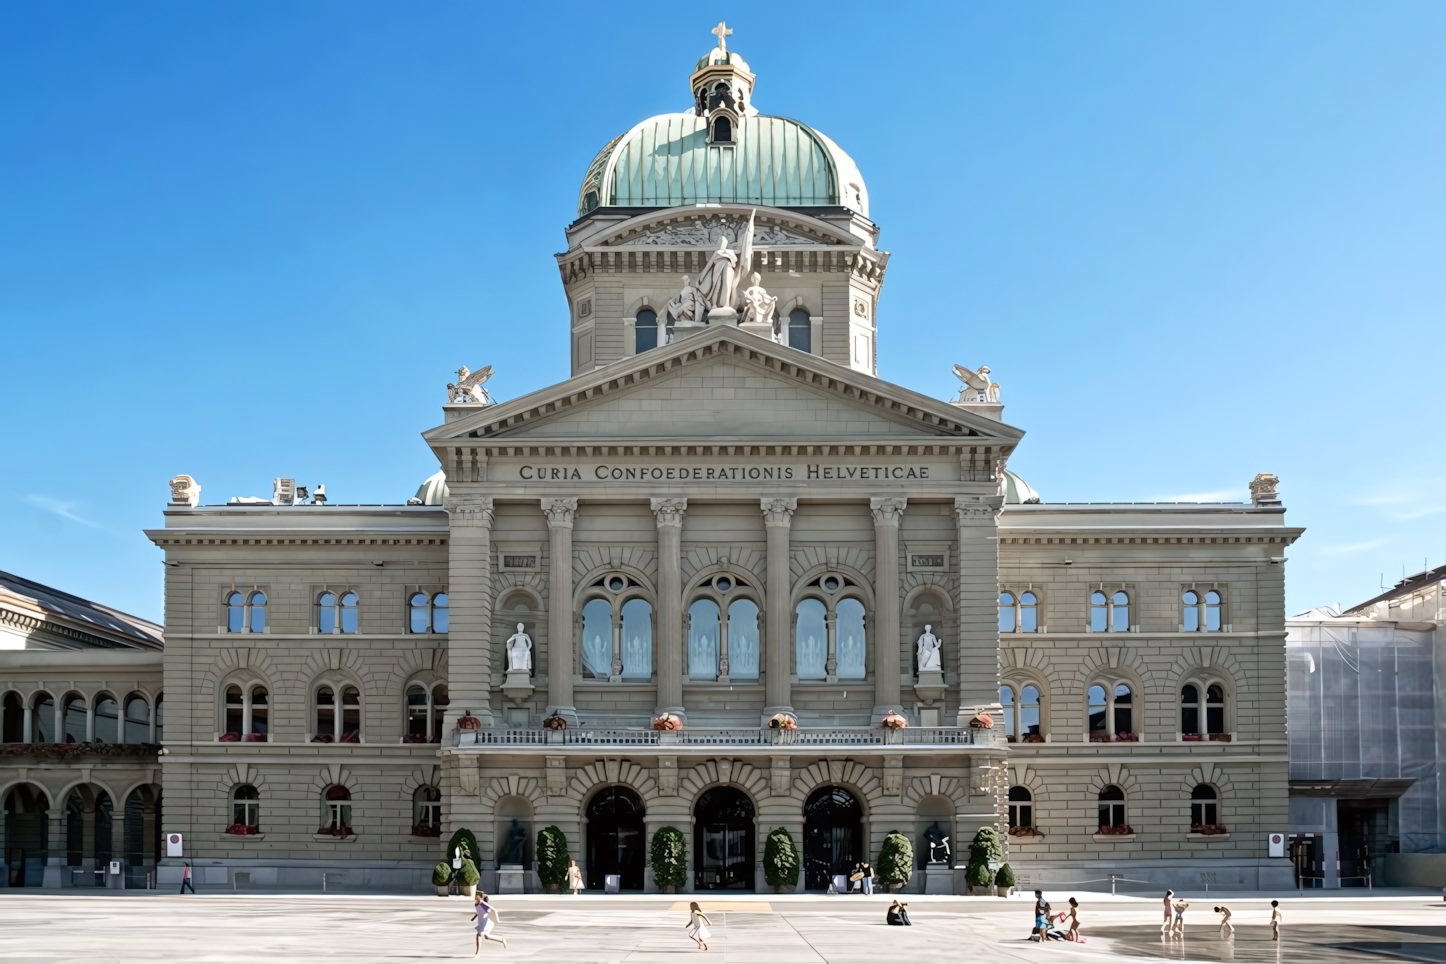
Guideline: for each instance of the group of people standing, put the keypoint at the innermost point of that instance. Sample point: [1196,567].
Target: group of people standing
[1173,927]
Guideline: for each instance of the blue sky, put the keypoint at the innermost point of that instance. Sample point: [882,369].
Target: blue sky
[1193,241]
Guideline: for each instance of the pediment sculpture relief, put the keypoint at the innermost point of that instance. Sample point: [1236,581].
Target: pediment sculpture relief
[707,232]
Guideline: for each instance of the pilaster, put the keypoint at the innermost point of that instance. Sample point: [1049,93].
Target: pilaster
[777,646]
[977,518]
[560,514]
[469,587]
[669,514]
[887,513]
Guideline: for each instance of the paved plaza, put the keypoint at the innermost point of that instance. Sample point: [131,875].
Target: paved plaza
[250,927]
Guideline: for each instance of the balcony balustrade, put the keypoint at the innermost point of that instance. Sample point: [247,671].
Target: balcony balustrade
[834,736]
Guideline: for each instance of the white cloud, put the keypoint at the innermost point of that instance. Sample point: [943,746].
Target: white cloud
[66,510]
[1345,550]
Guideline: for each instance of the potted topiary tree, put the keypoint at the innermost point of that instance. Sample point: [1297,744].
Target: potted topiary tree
[780,861]
[896,860]
[465,839]
[468,877]
[1004,881]
[442,878]
[669,857]
[551,858]
[984,849]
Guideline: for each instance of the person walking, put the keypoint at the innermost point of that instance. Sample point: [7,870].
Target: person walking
[186,880]
[868,880]
[1275,920]
[1227,929]
[1179,928]
[697,926]
[1073,933]
[1165,927]
[897,916]
[574,877]
[1041,917]
[486,917]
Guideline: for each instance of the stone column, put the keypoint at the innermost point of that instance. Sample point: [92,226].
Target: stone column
[669,658]
[57,845]
[887,513]
[978,606]
[560,514]
[118,845]
[778,620]
[469,630]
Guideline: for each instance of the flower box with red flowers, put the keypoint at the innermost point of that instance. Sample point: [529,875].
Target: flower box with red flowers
[242,830]
[1124,830]
[1208,829]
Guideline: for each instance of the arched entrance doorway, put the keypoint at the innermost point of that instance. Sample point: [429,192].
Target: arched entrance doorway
[833,821]
[27,833]
[723,840]
[615,838]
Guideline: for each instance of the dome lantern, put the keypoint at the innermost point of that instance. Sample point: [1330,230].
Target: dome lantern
[722,88]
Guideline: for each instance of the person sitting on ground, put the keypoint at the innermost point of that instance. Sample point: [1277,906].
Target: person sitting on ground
[897,915]
[1227,929]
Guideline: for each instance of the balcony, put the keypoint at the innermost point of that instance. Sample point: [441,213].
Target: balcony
[841,736]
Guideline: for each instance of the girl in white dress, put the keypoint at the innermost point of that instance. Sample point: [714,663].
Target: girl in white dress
[698,926]
[486,917]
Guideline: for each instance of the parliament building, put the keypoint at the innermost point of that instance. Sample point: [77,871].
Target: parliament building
[723,578]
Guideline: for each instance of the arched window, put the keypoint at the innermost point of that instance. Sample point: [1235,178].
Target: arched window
[42,719]
[597,639]
[160,717]
[1204,808]
[257,604]
[440,610]
[1190,611]
[325,715]
[1112,810]
[1011,725]
[245,809]
[800,330]
[1215,710]
[1124,712]
[326,621]
[107,719]
[851,643]
[419,615]
[743,639]
[336,811]
[426,709]
[722,131]
[348,612]
[1120,612]
[245,714]
[235,613]
[637,639]
[14,710]
[1028,613]
[1099,612]
[810,639]
[1029,714]
[704,628]
[1021,809]
[137,719]
[426,812]
[350,715]
[440,702]
[1099,712]
[1190,711]
[645,331]
[73,725]
[1007,613]
[1212,612]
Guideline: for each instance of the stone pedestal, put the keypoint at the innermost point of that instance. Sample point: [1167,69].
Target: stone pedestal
[511,879]
[682,329]
[763,329]
[518,685]
[723,316]
[938,879]
[930,686]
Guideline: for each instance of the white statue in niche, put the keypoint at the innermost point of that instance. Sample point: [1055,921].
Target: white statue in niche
[519,652]
[759,307]
[929,651]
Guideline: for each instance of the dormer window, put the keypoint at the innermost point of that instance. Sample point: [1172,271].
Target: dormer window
[722,131]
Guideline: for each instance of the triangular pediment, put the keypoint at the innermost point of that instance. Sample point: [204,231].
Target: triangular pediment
[722,386]
[700,229]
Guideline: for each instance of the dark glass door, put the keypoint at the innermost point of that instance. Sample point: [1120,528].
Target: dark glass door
[723,843]
[615,843]
[832,836]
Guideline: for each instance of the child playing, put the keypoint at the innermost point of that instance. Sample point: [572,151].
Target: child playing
[1227,929]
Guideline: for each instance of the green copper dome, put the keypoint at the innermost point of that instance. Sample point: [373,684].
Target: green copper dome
[668,161]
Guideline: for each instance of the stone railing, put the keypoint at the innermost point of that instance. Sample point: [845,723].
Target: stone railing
[843,736]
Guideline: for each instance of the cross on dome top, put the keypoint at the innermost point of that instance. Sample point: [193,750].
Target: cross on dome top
[722,33]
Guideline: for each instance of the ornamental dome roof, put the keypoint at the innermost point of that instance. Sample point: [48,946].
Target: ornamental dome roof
[431,492]
[674,160]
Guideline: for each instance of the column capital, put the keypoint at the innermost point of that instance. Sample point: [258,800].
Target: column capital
[469,510]
[887,510]
[559,512]
[977,510]
[669,511]
[778,512]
